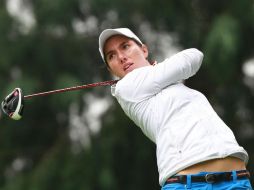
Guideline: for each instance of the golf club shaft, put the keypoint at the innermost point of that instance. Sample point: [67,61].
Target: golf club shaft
[104,83]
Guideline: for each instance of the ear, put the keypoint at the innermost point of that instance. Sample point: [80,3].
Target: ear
[145,50]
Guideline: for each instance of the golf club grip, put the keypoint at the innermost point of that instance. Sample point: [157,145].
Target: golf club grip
[104,83]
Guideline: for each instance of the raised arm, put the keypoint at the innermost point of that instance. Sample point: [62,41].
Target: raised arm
[181,66]
[148,81]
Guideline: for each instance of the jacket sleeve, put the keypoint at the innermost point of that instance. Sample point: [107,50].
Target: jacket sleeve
[181,66]
[148,81]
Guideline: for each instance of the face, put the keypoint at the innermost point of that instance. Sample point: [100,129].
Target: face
[123,55]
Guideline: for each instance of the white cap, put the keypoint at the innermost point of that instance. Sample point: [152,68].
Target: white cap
[106,34]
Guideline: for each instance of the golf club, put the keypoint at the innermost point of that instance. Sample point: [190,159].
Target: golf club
[13,104]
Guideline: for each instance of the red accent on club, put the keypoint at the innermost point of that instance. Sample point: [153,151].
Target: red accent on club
[16,93]
[104,83]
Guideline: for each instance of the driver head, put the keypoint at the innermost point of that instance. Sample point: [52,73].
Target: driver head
[13,104]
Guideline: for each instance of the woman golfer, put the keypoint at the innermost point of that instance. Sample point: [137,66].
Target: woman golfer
[195,149]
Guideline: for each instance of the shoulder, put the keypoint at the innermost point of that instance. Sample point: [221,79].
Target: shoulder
[134,76]
[130,87]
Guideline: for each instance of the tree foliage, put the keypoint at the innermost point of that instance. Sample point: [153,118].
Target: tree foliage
[61,50]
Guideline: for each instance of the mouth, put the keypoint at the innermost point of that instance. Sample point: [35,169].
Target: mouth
[127,66]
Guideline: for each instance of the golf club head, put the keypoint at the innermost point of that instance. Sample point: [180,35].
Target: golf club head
[13,104]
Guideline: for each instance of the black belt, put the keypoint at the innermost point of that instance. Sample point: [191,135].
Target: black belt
[209,178]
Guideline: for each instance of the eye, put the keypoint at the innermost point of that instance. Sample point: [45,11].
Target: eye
[126,46]
[110,56]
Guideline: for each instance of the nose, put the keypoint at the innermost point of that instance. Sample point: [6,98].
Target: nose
[122,57]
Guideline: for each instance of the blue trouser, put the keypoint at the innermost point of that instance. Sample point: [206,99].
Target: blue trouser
[234,184]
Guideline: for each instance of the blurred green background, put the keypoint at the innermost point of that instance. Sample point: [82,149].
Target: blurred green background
[82,140]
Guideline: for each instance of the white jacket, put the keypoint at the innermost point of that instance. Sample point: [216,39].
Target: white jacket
[178,119]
